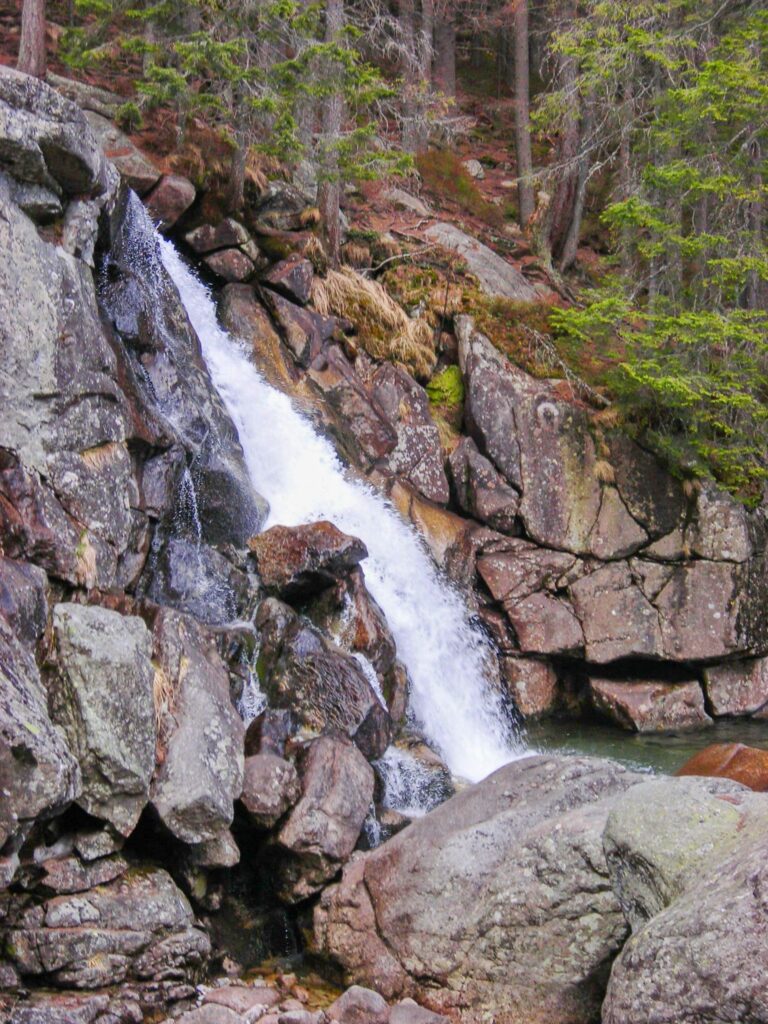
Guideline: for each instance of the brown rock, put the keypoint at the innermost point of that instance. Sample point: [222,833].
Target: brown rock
[651,706]
[323,828]
[747,765]
[230,264]
[480,490]
[359,1005]
[304,331]
[532,685]
[409,1012]
[293,278]
[70,874]
[296,561]
[137,171]
[617,618]
[737,687]
[270,787]
[545,625]
[226,235]
[700,608]
[169,200]
[269,731]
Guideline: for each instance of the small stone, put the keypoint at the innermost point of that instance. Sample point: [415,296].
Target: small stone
[474,169]
[231,265]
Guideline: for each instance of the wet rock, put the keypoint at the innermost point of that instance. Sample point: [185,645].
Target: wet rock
[417,456]
[101,696]
[201,735]
[228,234]
[737,687]
[45,139]
[230,265]
[531,684]
[40,204]
[196,579]
[38,773]
[136,170]
[293,278]
[294,561]
[326,689]
[747,765]
[270,787]
[497,278]
[269,732]
[138,927]
[359,1006]
[475,903]
[322,829]
[169,200]
[304,331]
[618,619]
[702,957]
[651,706]
[480,490]
[662,836]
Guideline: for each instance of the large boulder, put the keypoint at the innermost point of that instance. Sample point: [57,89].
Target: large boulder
[650,705]
[169,200]
[200,774]
[497,278]
[137,171]
[687,857]
[737,687]
[496,903]
[139,927]
[102,696]
[322,829]
[298,560]
[38,774]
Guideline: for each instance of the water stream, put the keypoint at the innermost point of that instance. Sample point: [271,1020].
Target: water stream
[299,473]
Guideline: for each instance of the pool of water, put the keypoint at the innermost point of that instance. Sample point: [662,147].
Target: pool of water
[654,753]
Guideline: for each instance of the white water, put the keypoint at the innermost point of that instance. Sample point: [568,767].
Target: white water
[300,475]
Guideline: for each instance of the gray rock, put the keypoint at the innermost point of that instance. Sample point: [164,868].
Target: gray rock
[322,829]
[211,1013]
[38,774]
[45,139]
[409,1012]
[101,695]
[497,278]
[480,490]
[497,902]
[703,957]
[201,734]
[662,836]
[64,1008]
[405,201]
[418,456]
[231,265]
[139,927]
[359,1006]
[721,529]
[41,204]
[23,600]
[270,787]
[474,169]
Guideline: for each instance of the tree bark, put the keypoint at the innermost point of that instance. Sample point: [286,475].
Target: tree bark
[444,67]
[571,242]
[523,114]
[32,56]
[329,192]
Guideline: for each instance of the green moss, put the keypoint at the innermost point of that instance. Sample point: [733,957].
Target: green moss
[445,175]
[446,387]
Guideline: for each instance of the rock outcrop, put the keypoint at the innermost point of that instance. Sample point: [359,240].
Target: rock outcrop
[497,902]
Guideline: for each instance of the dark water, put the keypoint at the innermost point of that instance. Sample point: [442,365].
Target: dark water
[658,753]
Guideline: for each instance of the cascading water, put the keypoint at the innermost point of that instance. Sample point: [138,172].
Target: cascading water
[300,475]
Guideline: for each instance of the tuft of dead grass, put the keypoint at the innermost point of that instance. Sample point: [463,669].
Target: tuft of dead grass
[383,327]
[604,472]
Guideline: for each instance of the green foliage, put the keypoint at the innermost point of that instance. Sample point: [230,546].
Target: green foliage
[689,312]
[128,117]
[446,387]
[444,174]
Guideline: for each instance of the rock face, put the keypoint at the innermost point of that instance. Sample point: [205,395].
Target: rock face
[102,698]
[473,906]
[497,277]
[139,927]
[322,829]
[687,859]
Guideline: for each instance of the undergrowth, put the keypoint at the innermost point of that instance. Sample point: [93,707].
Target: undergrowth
[444,174]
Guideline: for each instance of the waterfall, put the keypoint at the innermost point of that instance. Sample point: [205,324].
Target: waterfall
[301,476]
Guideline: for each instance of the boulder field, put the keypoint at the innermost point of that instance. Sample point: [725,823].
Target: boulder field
[156,824]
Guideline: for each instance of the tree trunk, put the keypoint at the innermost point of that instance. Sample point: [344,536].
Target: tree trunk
[566,161]
[329,192]
[523,115]
[571,242]
[32,45]
[235,198]
[444,69]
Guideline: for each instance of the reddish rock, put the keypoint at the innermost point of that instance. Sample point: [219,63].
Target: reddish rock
[532,684]
[649,706]
[545,625]
[359,1005]
[480,490]
[409,1012]
[268,733]
[230,264]
[304,331]
[136,170]
[293,278]
[226,235]
[70,874]
[169,200]
[618,619]
[241,998]
[737,687]
[299,560]
[747,765]
[270,787]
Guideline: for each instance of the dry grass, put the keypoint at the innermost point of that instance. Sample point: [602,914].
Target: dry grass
[605,472]
[356,255]
[163,697]
[384,329]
